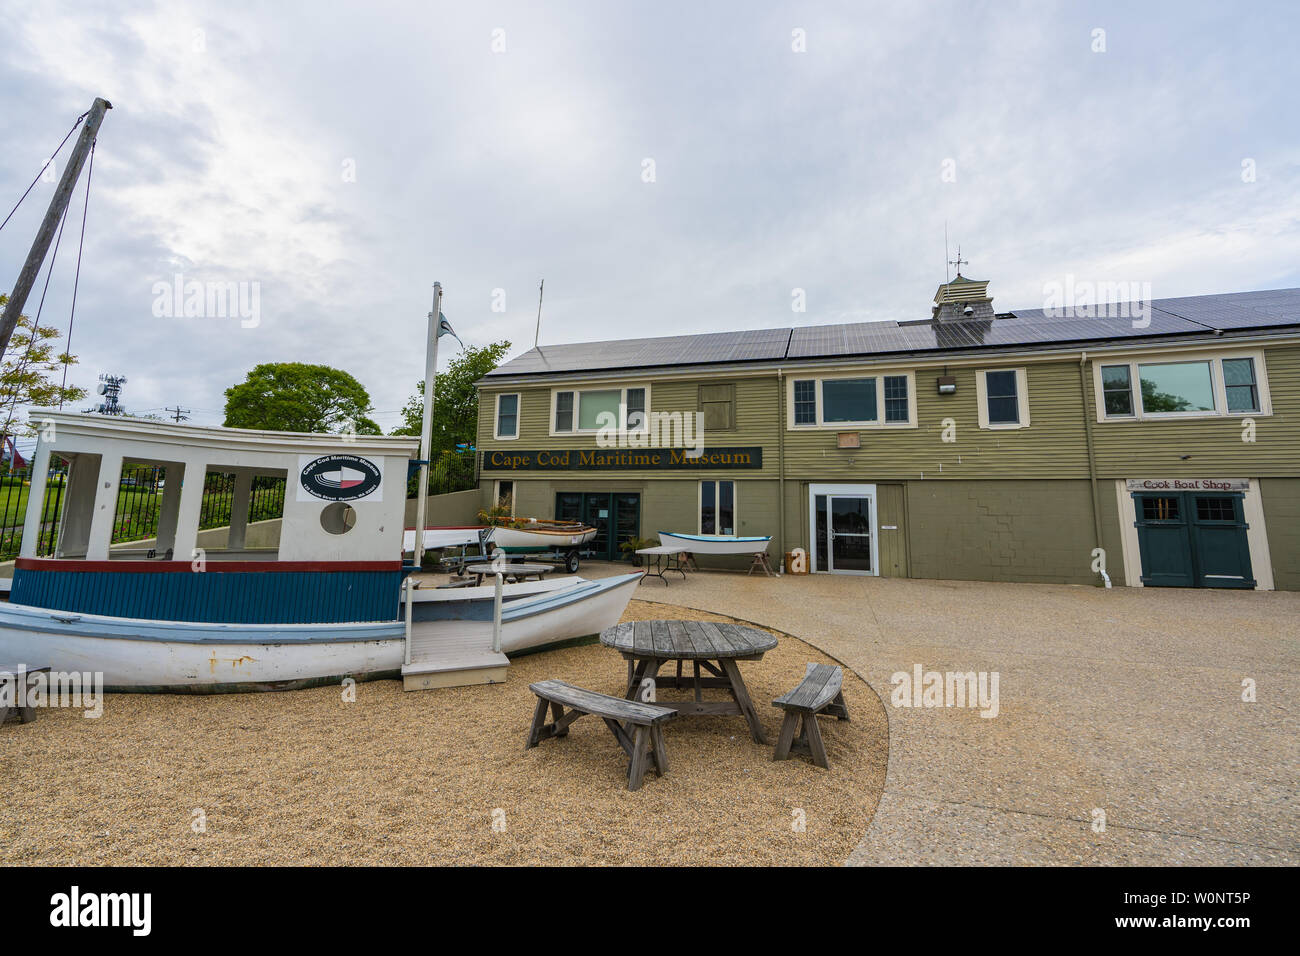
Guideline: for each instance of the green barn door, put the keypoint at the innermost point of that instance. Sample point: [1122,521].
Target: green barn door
[1193,540]
[1164,541]
[1220,548]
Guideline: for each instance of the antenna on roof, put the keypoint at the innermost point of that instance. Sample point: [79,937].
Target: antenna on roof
[538,334]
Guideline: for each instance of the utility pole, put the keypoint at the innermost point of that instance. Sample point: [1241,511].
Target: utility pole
[178,413]
[45,235]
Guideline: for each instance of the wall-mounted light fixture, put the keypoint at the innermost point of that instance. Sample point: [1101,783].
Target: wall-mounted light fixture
[947,384]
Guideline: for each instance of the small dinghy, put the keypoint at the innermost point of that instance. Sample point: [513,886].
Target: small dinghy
[714,543]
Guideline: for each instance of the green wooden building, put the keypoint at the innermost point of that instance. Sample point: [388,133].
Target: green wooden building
[1158,442]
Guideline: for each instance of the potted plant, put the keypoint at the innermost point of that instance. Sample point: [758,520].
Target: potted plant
[631,546]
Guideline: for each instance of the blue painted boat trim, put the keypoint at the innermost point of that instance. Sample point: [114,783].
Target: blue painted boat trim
[183,632]
[713,537]
[217,596]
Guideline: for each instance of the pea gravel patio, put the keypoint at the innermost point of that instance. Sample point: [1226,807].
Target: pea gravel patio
[1126,701]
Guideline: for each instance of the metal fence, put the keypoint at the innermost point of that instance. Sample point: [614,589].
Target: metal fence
[139,500]
[448,471]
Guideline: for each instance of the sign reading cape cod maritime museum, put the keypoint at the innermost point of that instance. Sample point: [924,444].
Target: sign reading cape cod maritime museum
[339,478]
[623,459]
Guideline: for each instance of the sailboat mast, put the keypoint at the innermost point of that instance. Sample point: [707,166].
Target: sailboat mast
[426,424]
[45,235]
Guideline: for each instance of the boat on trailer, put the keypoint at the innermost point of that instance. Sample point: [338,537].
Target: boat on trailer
[207,612]
[714,543]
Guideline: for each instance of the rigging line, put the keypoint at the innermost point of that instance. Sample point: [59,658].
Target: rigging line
[43,168]
[21,367]
[76,279]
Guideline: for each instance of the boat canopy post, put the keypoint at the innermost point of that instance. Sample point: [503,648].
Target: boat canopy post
[239,511]
[170,507]
[36,499]
[101,522]
[426,425]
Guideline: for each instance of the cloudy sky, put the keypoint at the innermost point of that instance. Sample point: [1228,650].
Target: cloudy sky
[666,167]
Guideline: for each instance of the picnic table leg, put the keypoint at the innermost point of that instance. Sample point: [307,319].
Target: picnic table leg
[815,744]
[660,752]
[783,742]
[539,721]
[556,713]
[742,699]
[636,770]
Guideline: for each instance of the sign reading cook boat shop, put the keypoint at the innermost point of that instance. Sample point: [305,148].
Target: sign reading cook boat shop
[1187,484]
[339,478]
[622,459]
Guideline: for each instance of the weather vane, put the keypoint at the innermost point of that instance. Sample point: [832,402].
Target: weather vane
[959,261]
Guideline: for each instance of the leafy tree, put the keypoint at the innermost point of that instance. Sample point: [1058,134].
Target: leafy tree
[31,375]
[295,397]
[455,405]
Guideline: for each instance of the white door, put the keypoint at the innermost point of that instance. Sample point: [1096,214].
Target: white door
[843,522]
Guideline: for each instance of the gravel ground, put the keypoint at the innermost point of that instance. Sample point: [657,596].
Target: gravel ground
[395,778]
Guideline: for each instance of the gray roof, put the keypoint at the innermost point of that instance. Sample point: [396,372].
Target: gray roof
[1027,328]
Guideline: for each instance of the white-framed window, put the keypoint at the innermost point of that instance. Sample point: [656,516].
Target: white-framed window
[503,495]
[1003,398]
[1181,385]
[506,419]
[842,402]
[578,411]
[717,507]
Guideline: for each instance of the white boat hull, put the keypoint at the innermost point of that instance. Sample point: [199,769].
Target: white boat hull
[554,618]
[179,656]
[523,539]
[714,543]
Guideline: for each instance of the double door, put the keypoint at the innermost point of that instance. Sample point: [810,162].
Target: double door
[615,515]
[1193,540]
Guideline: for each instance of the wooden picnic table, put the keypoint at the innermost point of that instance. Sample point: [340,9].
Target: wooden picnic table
[9,673]
[713,649]
[520,571]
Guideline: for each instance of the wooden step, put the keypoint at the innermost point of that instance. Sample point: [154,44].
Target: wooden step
[455,670]
[452,654]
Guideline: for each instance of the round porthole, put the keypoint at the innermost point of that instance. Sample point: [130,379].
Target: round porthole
[338,518]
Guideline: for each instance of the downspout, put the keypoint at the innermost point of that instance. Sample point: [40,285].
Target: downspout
[780,466]
[1092,460]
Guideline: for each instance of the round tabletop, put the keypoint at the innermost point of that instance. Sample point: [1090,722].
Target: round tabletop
[687,640]
[511,568]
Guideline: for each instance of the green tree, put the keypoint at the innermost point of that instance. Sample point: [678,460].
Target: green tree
[455,405]
[295,397]
[31,375]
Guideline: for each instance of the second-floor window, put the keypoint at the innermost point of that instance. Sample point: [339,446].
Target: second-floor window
[1185,387]
[588,410]
[1003,397]
[868,402]
[507,416]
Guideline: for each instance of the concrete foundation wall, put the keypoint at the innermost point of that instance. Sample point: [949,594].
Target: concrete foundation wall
[1002,531]
[451,510]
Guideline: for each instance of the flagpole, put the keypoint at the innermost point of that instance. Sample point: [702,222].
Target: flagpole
[426,426]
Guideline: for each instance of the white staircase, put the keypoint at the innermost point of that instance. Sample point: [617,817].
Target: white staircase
[452,656]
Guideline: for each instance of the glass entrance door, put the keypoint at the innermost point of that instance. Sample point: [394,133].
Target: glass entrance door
[849,532]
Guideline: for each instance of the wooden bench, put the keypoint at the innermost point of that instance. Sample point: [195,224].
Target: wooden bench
[643,744]
[818,692]
[9,675]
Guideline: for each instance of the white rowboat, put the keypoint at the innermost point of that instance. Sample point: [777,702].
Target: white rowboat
[714,543]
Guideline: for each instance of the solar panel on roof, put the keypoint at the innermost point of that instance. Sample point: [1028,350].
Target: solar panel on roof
[1181,316]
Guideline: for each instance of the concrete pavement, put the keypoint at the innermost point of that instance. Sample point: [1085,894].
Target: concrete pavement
[1126,703]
